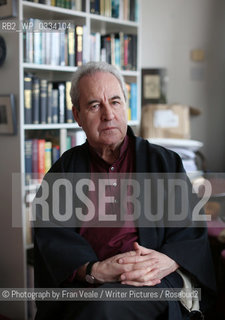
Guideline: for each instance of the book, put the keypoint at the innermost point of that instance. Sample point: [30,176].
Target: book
[115,8]
[35,100]
[28,160]
[55,48]
[35,158]
[50,103]
[28,99]
[28,42]
[43,101]
[61,102]
[62,43]
[41,158]
[128,87]
[48,155]
[37,38]
[55,98]
[71,46]
[55,153]
[69,113]
[133,101]
[79,45]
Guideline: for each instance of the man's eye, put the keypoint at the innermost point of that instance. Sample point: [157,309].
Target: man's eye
[95,107]
[115,103]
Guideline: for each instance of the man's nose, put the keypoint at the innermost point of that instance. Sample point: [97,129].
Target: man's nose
[107,112]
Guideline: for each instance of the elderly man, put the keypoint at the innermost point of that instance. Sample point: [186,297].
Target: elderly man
[123,256]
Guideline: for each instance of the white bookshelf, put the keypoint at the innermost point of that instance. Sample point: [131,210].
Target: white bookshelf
[14,268]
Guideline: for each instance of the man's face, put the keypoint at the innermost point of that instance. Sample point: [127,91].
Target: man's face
[102,112]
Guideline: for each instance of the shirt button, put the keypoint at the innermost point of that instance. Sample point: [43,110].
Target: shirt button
[114,184]
[112,168]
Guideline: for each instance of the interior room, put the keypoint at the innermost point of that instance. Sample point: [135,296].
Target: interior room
[172,57]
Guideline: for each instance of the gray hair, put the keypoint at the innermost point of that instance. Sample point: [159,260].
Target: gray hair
[91,68]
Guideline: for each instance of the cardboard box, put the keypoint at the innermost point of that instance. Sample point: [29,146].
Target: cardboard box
[166,121]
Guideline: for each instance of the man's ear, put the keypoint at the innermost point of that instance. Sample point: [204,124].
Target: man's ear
[76,116]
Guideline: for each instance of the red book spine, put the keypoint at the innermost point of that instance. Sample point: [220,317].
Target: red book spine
[41,158]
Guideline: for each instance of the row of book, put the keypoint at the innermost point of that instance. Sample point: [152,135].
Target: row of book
[67,4]
[46,101]
[39,157]
[40,154]
[53,43]
[122,9]
[119,49]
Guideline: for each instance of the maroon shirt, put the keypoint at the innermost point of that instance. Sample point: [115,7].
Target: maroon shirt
[109,241]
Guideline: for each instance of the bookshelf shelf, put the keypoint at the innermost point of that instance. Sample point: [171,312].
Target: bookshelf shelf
[21,67]
[56,126]
[33,66]
[43,8]
[117,21]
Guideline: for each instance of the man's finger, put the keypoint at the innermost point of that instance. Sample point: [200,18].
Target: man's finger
[134,259]
[141,284]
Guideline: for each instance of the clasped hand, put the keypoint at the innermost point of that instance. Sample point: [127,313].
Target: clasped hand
[140,267]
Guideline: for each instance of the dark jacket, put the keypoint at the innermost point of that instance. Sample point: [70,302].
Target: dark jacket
[59,251]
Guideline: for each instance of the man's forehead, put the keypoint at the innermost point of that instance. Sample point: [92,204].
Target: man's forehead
[95,84]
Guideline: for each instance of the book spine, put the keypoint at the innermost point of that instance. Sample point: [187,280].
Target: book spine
[48,155]
[55,103]
[126,40]
[115,8]
[136,14]
[86,44]
[41,158]
[28,99]
[62,49]
[55,153]
[128,87]
[61,89]
[121,11]
[35,158]
[79,45]
[35,100]
[43,47]
[29,49]
[132,10]
[73,138]
[121,35]
[129,53]
[68,142]
[102,7]
[49,105]
[55,44]
[113,58]
[71,46]
[133,101]
[97,7]
[37,43]
[28,160]
[92,6]
[48,47]
[69,113]
[43,101]
[79,6]
[117,52]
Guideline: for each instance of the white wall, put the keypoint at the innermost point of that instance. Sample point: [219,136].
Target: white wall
[170,30]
